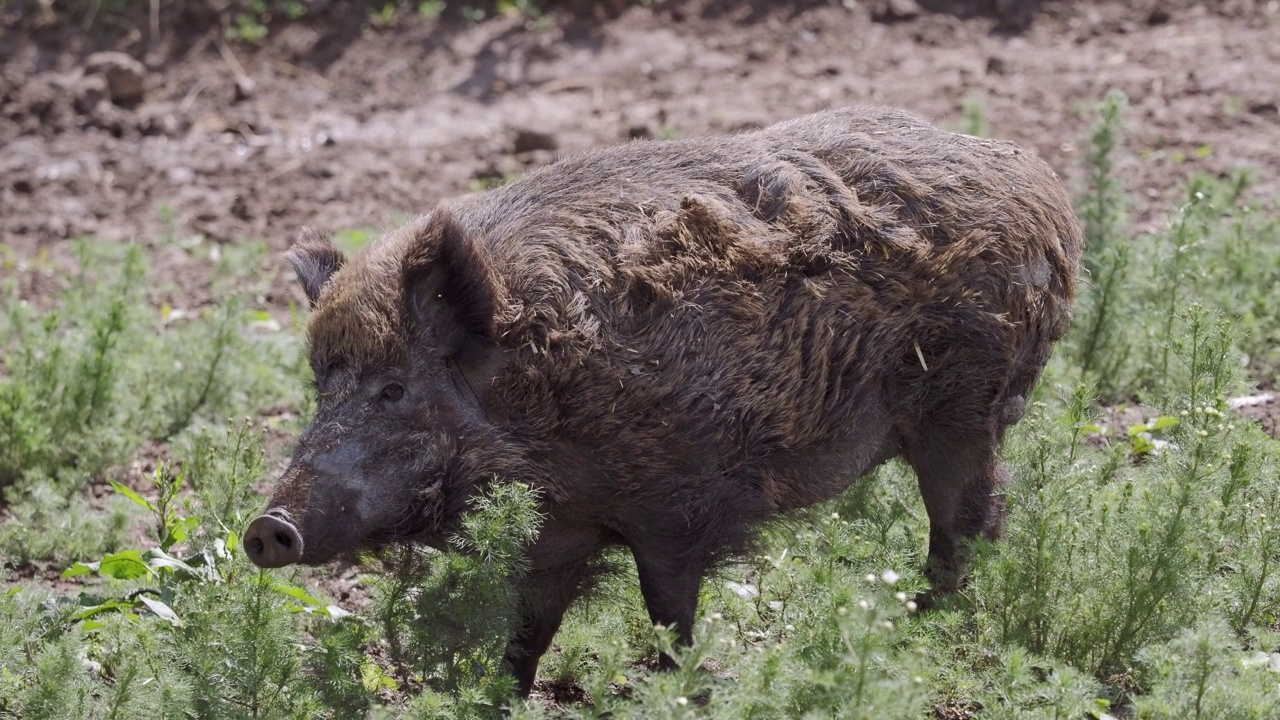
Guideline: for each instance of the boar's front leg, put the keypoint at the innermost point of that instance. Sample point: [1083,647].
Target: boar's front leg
[544,599]
[563,565]
[960,480]
[670,576]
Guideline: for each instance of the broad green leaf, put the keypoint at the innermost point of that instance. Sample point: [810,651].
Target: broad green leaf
[158,558]
[233,541]
[163,611]
[108,606]
[374,678]
[124,565]
[297,593]
[179,531]
[135,497]
[1141,445]
[1165,421]
[78,569]
[1092,428]
[1138,429]
[92,625]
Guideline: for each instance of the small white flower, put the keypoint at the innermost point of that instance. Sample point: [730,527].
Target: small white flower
[890,577]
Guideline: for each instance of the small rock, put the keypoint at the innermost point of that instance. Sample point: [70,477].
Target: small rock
[894,10]
[1265,108]
[161,119]
[245,88]
[124,74]
[240,208]
[746,591]
[530,140]
[1016,16]
[996,65]
[1270,661]
[23,186]
[1158,16]
[89,92]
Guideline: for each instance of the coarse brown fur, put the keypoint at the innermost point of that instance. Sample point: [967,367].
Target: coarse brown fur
[676,341]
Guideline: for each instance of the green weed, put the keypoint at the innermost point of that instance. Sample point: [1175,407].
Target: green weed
[975,117]
[87,383]
[1218,250]
[447,616]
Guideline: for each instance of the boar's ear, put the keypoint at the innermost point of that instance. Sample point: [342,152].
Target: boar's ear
[315,260]
[449,289]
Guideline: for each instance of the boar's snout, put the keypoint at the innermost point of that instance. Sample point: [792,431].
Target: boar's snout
[272,541]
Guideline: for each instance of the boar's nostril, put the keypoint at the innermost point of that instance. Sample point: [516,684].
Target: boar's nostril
[272,542]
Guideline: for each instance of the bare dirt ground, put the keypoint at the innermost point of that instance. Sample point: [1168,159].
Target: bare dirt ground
[341,121]
[342,124]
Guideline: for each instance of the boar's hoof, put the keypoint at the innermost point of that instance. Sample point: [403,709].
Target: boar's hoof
[272,541]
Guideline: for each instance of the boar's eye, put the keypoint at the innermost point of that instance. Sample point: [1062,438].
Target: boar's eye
[393,392]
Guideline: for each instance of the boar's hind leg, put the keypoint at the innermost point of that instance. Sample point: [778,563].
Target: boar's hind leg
[960,481]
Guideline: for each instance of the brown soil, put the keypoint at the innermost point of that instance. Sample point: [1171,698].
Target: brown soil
[341,124]
[335,122]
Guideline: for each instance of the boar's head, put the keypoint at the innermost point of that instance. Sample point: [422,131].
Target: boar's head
[401,343]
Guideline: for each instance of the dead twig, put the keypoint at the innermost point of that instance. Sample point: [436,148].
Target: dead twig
[155,22]
[242,77]
[300,72]
[285,169]
[190,98]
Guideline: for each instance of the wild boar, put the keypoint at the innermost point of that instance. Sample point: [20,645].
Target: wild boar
[676,341]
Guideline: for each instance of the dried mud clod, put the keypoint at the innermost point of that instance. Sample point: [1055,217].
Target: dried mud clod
[125,76]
